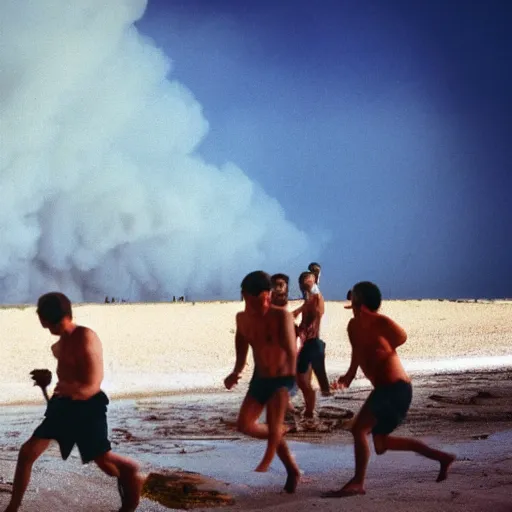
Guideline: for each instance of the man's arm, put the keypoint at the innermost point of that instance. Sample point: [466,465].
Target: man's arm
[56,350]
[241,349]
[395,334]
[288,339]
[345,380]
[297,311]
[90,372]
[319,306]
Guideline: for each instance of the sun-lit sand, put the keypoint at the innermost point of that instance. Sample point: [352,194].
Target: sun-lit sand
[458,354]
[153,348]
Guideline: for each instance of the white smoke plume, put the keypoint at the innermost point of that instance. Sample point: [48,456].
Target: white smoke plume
[102,191]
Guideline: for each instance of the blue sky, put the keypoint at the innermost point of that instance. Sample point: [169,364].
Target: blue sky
[383,127]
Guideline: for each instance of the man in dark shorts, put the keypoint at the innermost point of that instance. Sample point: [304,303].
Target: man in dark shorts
[76,413]
[311,358]
[270,331]
[374,339]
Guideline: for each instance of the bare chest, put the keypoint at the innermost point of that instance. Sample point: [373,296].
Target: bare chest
[262,334]
[68,360]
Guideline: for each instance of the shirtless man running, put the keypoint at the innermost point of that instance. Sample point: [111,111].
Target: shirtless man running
[312,353]
[374,339]
[270,331]
[76,413]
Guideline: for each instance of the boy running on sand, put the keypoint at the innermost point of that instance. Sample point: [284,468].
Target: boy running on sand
[76,413]
[374,339]
[270,331]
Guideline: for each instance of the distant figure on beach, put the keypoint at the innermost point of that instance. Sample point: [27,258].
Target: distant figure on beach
[311,356]
[374,339]
[270,331]
[76,413]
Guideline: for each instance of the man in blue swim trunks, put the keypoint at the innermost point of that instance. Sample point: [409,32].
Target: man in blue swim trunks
[270,331]
[374,339]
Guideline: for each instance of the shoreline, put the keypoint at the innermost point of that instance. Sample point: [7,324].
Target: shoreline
[460,300]
[416,369]
[152,350]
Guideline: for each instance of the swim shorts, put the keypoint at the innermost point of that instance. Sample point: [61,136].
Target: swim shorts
[312,353]
[80,422]
[389,404]
[262,388]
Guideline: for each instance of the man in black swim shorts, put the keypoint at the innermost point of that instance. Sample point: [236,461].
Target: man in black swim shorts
[311,357]
[374,339]
[262,389]
[270,331]
[76,413]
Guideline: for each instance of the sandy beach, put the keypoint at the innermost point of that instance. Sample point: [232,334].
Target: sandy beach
[164,368]
[172,347]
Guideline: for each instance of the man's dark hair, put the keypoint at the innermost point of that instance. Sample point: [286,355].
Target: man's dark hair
[53,307]
[349,295]
[313,266]
[283,277]
[256,282]
[304,275]
[367,294]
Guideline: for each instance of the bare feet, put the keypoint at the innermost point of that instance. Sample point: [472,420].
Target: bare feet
[292,480]
[445,466]
[262,467]
[130,489]
[350,489]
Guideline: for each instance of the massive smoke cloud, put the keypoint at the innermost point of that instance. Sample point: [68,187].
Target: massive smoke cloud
[101,186]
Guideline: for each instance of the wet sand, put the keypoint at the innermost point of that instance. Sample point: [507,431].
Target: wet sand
[469,414]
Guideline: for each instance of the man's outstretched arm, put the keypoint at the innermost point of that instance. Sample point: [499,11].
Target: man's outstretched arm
[241,349]
[345,380]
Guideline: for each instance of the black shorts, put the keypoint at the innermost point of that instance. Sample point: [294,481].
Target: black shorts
[389,404]
[311,354]
[80,422]
[263,388]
